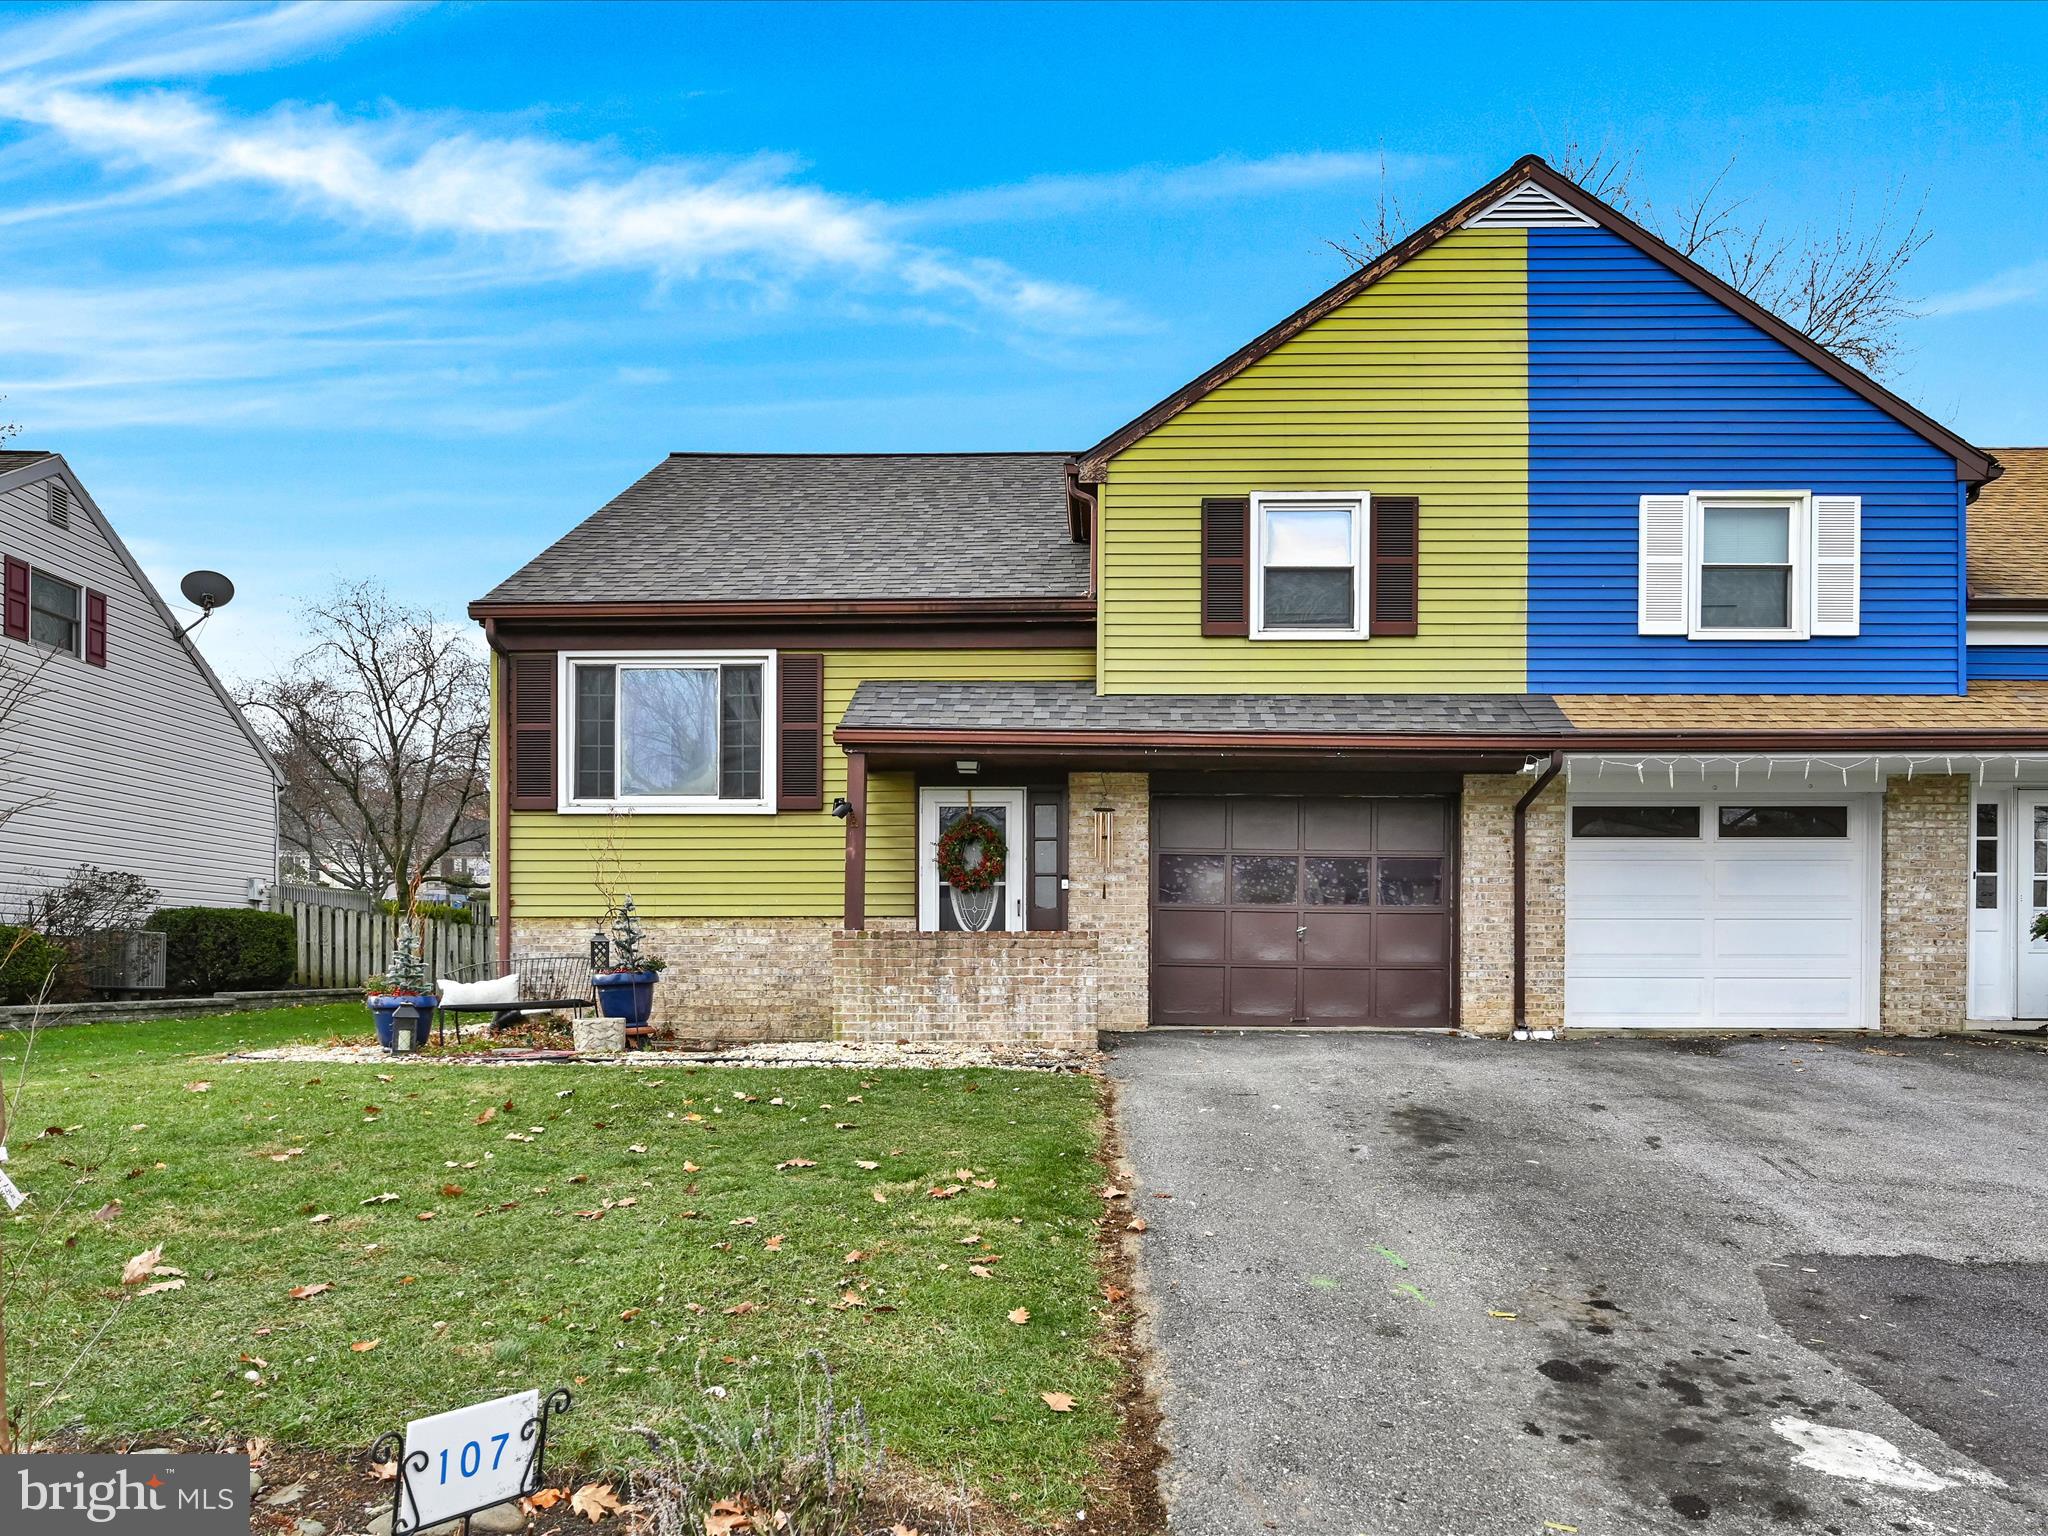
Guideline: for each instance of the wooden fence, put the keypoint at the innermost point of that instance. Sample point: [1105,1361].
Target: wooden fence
[339,947]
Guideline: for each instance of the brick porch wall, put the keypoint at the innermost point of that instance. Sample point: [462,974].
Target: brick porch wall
[1486,904]
[1114,902]
[743,978]
[1038,989]
[1923,979]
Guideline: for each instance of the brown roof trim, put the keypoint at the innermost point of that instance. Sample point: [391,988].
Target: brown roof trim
[964,610]
[1972,464]
[2008,604]
[1401,744]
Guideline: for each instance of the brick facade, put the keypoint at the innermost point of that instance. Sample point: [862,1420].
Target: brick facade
[750,978]
[1114,902]
[1486,904]
[1924,976]
[1037,989]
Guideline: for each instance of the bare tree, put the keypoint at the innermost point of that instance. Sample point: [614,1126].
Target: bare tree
[19,688]
[382,729]
[1843,286]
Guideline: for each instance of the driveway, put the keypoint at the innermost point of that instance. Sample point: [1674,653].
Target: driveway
[1408,1284]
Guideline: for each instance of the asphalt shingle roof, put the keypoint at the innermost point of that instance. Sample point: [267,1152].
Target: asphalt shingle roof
[13,458]
[1988,706]
[2009,529]
[1075,706]
[819,527]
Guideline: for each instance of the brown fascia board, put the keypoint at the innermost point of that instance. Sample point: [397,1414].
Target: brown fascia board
[978,610]
[1985,604]
[1973,464]
[941,741]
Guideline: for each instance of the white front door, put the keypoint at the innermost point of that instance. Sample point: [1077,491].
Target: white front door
[941,908]
[2030,891]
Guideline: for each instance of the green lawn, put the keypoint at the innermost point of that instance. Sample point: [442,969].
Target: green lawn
[517,1281]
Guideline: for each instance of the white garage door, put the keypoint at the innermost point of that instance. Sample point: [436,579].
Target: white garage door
[1725,914]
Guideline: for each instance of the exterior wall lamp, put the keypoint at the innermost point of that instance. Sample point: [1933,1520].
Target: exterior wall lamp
[842,807]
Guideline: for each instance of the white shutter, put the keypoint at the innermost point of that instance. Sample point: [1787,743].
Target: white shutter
[1837,564]
[1661,577]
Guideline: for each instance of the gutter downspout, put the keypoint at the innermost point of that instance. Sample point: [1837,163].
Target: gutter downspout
[501,801]
[1522,805]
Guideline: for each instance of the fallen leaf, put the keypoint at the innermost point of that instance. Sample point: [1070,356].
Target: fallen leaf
[773,1244]
[451,1191]
[384,1471]
[636,1147]
[861,1162]
[302,1292]
[731,1517]
[984,1183]
[690,1167]
[594,1502]
[980,1271]
[795,1162]
[880,1198]
[1136,1224]
[384,1199]
[742,1310]
[364,1346]
[900,1529]
[108,1211]
[161,1285]
[1020,1315]
[545,1498]
[426,1216]
[142,1266]
[319,1221]
[1058,1402]
[945,1192]
[202,1086]
[1111,1192]
[488,1116]
[746,1221]
[855,1256]
[287,1155]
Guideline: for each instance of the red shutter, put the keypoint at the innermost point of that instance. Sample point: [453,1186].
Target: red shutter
[1396,546]
[530,721]
[96,627]
[1226,565]
[17,599]
[799,732]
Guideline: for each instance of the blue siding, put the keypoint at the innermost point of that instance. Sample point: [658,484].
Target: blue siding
[1640,383]
[2017,663]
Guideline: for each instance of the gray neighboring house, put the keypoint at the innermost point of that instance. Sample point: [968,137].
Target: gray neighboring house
[123,750]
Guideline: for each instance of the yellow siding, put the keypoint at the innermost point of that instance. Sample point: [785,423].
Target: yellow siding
[1418,386]
[791,864]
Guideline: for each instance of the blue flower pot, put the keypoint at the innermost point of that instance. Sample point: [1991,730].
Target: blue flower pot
[384,1008]
[627,995]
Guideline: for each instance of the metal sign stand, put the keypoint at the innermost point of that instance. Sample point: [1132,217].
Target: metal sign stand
[391,1448]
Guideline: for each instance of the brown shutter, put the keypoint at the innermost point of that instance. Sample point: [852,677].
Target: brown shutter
[1396,545]
[96,628]
[799,732]
[1226,565]
[17,599]
[530,718]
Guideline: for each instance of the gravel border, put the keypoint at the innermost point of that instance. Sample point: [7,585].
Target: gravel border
[789,1053]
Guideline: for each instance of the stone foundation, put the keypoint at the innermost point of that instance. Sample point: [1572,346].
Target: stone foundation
[1924,977]
[1486,904]
[1038,989]
[742,978]
[1114,901]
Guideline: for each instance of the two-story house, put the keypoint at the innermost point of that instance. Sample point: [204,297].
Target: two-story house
[118,745]
[1530,629]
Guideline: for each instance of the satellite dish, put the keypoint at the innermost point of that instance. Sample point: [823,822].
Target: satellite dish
[207,589]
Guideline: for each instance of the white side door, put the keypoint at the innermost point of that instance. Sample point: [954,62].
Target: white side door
[940,908]
[2030,900]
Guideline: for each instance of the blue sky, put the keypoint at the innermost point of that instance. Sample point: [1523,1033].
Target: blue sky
[400,291]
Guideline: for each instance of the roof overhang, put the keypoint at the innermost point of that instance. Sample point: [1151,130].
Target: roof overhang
[1973,464]
[998,611]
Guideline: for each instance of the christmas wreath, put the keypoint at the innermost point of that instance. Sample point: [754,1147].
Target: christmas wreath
[971,831]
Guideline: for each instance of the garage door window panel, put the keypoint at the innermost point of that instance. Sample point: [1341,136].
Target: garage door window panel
[1191,879]
[1263,882]
[1411,882]
[1739,821]
[1635,821]
[1339,882]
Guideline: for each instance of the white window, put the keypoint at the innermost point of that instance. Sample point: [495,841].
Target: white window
[1311,578]
[56,612]
[1749,565]
[668,731]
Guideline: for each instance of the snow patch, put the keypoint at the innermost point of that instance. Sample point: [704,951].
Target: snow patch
[1852,1453]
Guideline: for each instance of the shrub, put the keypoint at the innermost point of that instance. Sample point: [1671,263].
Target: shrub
[225,949]
[430,911]
[91,900]
[27,963]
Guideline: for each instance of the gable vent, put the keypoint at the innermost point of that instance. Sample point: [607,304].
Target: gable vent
[1529,207]
[60,504]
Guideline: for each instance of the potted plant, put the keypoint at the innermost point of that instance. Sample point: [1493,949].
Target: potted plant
[405,982]
[625,991]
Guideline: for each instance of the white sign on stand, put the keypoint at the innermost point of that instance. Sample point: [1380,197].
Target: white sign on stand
[468,1459]
[11,1193]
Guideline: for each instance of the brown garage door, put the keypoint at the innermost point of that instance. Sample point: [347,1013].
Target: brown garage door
[1301,911]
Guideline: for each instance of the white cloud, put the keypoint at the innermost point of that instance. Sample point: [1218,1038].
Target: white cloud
[2017,285]
[1227,177]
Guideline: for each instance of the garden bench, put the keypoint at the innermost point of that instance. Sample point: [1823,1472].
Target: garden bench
[547,983]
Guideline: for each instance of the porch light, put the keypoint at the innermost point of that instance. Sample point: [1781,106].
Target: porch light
[966,765]
[842,807]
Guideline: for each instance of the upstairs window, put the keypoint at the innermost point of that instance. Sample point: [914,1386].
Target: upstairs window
[1749,565]
[668,732]
[1746,567]
[1310,581]
[56,612]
